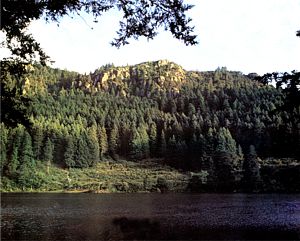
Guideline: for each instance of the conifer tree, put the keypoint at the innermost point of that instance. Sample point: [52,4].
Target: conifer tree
[224,170]
[240,157]
[136,145]
[153,140]
[124,140]
[27,163]
[103,142]
[191,109]
[172,106]
[172,150]
[113,140]
[162,144]
[221,141]
[93,146]
[209,143]
[37,136]
[251,179]
[224,159]
[144,140]
[3,147]
[26,152]
[230,142]
[59,145]
[69,156]
[82,151]
[48,152]
[14,160]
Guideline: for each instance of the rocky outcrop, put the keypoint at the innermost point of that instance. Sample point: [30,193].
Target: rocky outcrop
[158,76]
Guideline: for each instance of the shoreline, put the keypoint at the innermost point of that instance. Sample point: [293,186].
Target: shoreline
[142,192]
[133,177]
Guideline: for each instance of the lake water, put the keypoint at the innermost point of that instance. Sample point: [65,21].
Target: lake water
[150,216]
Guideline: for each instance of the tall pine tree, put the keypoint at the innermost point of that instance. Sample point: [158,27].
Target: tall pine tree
[251,179]
[113,140]
[3,147]
[37,136]
[48,152]
[93,146]
[103,142]
[27,163]
[69,155]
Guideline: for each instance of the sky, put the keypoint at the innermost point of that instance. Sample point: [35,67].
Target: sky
[243,35]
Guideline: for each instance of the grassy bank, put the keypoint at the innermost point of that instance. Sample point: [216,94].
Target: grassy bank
[106,177]
[110,176]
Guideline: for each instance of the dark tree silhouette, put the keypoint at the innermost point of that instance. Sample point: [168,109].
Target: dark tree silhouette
[251,179]
[289,82]
[140,18]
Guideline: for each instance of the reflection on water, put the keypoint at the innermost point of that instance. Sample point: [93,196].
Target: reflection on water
[133,229]
[149,217]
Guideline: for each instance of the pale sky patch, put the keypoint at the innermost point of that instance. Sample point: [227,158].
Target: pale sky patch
[244,35]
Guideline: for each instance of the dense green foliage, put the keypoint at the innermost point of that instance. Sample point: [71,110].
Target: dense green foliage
[139,18]
[219,122]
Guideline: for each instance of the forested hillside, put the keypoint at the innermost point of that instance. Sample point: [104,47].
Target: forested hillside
[221,122]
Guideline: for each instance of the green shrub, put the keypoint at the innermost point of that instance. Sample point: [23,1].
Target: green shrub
[162,184]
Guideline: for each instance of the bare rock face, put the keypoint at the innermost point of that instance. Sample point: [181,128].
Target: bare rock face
[158,76]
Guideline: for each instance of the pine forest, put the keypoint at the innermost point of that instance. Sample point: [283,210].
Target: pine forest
[215,131]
